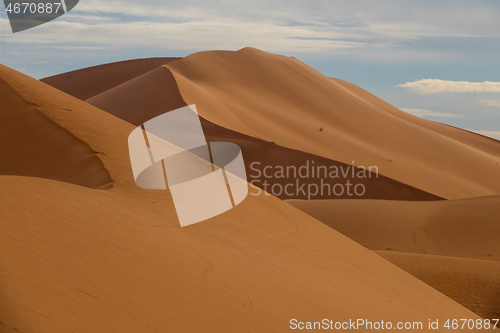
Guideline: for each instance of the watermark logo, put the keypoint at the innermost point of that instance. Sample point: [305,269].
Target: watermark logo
[25,14]
[205,179]
[311,181]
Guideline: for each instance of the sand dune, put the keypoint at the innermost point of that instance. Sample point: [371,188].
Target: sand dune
[75,259]
[466,228]
[472,283]
[436,236]
[33,145]
[277,98]
[412,227]
[156,92]
[87,82]
[294,102]
[479,142]
[113,261]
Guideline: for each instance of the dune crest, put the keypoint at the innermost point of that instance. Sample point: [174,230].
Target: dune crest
[87,82]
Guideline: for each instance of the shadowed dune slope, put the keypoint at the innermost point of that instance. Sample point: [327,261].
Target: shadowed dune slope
[87,82]
[280,99]
[156,92]
[74,259]
[466,228]
[33,145]
[142,98]
[470,282]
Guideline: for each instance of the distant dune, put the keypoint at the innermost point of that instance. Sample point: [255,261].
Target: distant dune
[87,82]
[156,92]
[84,249]
[280,99]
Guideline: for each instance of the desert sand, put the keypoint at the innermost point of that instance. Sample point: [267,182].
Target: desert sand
[430,240]
[466,228]
[84,249]
[33,145]
[471,282]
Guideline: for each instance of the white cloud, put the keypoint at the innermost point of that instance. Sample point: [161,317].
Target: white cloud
[432,86]
[389,18]
[383,31]
[429,113]
[491,134]
[348,27]
[489,102]
[221,34]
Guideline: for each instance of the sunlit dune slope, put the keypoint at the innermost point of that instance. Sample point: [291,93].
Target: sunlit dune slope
[87,82]
[154,93]
[75,259]
[474,140]
[33,145]
[280,99]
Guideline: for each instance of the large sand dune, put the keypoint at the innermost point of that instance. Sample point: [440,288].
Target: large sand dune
[156,92]
[479,142]
[280,99]
[117,261]
[76,259]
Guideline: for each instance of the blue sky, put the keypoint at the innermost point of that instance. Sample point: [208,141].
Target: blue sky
[390,48]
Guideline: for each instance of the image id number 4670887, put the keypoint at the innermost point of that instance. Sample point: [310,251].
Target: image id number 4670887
[34,8]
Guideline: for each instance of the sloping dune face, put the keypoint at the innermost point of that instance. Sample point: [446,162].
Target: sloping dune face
[75,259]
[479,142]
[33,145]
[466,228]
[277,98]
[142,98]
[430,240]
[156,92]
[87,82]
[472,283]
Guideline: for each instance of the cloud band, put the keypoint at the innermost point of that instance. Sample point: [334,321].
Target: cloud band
[433,86]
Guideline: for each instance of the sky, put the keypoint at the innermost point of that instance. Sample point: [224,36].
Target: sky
[439,60]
